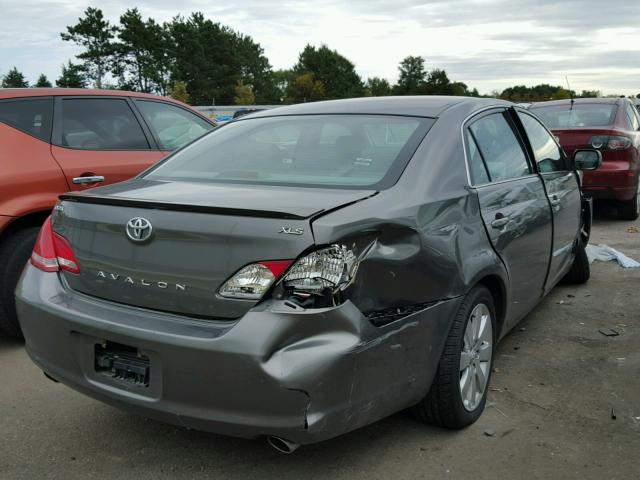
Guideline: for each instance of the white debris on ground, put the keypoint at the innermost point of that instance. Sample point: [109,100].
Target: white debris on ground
[605,253]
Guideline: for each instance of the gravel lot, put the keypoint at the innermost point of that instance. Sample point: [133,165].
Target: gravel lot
[557,381]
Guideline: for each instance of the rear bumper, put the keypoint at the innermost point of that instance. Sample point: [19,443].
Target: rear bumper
[303,375]
[614,180]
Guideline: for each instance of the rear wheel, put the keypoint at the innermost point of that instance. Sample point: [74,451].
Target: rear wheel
[14,253]
[459,390]
[630,209]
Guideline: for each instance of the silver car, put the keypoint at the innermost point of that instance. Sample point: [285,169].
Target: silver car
[305,271]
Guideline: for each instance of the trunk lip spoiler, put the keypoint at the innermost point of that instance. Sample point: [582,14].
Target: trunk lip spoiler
[182,207]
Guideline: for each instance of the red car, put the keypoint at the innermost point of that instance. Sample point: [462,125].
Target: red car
[612,126]
[54,140]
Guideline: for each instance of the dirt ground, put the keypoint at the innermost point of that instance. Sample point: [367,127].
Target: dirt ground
[564,403]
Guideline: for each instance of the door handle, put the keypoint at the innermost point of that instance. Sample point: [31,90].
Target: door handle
[88,180]
[499,222]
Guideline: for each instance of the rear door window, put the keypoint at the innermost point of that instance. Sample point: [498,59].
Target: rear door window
[101,124]
[477,167]
[174,126]
[632,116]
[32,116]
[545,150]
[497,143]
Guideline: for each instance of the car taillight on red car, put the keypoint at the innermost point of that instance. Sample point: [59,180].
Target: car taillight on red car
[610,142]
[52,252]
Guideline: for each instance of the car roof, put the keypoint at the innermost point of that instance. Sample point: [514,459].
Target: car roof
[6,93]
[423,106]
[11,93]
[608,101]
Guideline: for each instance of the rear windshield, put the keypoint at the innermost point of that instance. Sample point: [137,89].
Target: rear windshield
[581,115]
[348,151]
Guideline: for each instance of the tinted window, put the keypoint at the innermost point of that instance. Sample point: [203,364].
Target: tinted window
[173,125]
[32,116]
[354,151]
[500,148]
[545,150]
[477,167]
[632,116]
[580,115]
[101,124]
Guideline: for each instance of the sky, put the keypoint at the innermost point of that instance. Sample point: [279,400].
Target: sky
[488,44]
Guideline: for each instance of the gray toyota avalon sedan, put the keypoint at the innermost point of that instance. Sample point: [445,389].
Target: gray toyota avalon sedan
[304,271]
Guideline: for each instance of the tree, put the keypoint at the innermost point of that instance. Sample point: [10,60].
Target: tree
[94,34]
[537,93]
[412,76]
[377,87]
[590,94]
[43,82]
[438,83]
[72,76]
[210,58]
[14,79]
[256,70]
[335,72]
[141,56]
[281,80]
[178,91]
[305,88]
[244,94]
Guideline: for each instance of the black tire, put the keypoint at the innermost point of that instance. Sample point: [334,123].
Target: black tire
[443,405]
[15,251]
[580,270]
[629,209]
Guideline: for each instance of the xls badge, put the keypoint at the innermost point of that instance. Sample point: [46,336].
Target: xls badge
[291,231]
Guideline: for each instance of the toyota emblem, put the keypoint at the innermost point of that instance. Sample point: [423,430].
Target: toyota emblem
[139,229]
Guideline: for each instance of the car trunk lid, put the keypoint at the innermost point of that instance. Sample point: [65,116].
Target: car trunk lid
[201,235]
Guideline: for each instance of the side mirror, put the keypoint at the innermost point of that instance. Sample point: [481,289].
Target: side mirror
[587,159]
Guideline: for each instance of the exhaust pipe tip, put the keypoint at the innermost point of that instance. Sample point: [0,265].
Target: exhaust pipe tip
[282,445]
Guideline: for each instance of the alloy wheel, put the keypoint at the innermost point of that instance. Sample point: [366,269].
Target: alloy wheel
[475,357]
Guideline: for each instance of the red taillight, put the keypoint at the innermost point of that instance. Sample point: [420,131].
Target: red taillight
[53,252]
[277,267]
[610,142]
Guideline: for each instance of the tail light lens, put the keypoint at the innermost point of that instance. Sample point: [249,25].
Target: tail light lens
[333,267]
[253,281]
[610,142]
[52,252]
[327,270]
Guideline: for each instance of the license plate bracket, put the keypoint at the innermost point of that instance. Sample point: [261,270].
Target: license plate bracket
[122,362]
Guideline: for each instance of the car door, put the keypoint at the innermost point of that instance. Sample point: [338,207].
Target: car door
[100,140]
[172,126]
[563,191]
[513,205]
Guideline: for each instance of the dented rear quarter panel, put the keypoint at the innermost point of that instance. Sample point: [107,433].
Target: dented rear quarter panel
[428,240]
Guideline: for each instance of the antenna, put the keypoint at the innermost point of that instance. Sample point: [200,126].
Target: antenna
[570,92]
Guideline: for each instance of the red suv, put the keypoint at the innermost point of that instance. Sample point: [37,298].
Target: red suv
[612,126]
[54,140]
